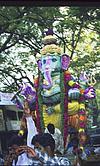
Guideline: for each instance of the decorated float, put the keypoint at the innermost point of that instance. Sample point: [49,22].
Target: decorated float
[55,98]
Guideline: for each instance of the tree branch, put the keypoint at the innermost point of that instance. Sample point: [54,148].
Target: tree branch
[74,42]
[6,42]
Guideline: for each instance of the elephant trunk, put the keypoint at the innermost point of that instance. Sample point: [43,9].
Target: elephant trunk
[47,76]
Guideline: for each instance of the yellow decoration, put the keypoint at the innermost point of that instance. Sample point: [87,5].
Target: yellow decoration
[52,48]
[81,130]
[71,83]
[82,91]
[82,118]
[67,72]
[82,106]
[21,132]
[82,148]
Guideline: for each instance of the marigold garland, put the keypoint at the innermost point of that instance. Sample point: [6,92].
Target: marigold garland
[37,109]
[40,102]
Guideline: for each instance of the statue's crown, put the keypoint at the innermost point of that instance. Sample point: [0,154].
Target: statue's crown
[50,44]
[49,38]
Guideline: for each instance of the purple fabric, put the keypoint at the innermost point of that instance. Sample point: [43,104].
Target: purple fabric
[17,101]
[28,92]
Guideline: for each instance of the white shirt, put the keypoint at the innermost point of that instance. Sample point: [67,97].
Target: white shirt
[59,143]
[32,131]
[23,159]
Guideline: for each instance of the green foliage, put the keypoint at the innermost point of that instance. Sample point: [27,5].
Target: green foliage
[21,32]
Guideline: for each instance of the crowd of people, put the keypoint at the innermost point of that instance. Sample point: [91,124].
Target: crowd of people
[45,148]
[35,148]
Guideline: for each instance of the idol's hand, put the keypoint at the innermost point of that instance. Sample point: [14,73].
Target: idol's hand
[89,93]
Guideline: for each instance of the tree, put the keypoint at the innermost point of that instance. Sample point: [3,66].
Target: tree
[20,26]
[23,27]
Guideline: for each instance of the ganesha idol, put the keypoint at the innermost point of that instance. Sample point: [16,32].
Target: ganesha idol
[59,99]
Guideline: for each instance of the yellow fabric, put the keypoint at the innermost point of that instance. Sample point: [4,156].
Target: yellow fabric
[54,118]
[73,107]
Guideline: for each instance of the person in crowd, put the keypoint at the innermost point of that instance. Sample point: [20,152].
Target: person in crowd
[20,157]
[44,145]
[28,124]
[42,154]
[16,156]
[56,134]
[12,157]
[1,159]
[72,141]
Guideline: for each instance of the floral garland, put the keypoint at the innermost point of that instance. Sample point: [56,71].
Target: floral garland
[82,113]
[62,100]
[82,120]
[64,92]
[67,78]
[39,108]
[36,83]
[52,48]
[40,103]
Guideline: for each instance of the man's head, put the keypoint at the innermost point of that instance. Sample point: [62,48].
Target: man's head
[51,128]
[36,140]
[44,142]
[16,140]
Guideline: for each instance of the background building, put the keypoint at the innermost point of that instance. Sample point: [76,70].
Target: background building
[9,119]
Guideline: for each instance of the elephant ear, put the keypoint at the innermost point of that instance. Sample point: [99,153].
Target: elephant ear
[65,61]
[39,64]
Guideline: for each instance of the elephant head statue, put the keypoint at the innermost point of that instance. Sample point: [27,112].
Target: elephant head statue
[50,67]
